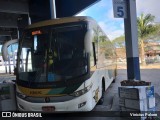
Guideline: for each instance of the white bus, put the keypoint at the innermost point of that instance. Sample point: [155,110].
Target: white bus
[69,63]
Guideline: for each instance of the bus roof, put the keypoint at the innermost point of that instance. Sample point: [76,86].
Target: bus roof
[60,21]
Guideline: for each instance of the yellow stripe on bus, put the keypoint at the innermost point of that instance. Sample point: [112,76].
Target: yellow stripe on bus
[37,92]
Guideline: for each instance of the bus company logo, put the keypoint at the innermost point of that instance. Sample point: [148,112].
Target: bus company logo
[6,114]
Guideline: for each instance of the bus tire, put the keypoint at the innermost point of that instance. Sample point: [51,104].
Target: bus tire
[101,100]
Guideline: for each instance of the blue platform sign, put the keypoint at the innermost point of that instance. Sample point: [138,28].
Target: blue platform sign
[119,8]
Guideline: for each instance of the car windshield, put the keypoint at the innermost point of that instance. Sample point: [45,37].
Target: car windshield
[52,54]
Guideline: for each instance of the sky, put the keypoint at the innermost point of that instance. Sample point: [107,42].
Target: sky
[102,12]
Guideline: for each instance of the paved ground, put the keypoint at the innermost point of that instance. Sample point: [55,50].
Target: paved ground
[111,96]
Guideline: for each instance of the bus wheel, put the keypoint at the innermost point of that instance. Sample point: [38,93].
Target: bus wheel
[101,100]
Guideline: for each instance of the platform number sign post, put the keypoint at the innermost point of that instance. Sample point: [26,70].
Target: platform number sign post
[119,8]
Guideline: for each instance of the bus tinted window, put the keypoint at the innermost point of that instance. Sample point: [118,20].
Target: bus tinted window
[54,54]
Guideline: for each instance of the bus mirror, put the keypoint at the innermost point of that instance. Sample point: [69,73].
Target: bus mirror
[88,41]
[5,48]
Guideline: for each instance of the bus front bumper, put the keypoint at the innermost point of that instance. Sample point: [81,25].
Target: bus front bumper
[82,103]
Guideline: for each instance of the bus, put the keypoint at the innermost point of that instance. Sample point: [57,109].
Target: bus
[64,64]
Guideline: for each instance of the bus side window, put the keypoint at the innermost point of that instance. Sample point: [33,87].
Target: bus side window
[92,58]
[93,55]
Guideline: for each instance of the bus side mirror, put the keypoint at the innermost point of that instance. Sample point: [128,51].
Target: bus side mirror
[5,48]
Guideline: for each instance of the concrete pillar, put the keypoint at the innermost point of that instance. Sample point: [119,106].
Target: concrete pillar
[131,40]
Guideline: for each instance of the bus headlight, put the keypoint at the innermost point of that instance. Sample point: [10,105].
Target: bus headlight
[81,92]
[21,95]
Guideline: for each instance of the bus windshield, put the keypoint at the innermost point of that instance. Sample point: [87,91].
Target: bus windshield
[52,54]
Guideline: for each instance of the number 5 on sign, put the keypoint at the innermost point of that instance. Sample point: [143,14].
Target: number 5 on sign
[119,8]
[120,11]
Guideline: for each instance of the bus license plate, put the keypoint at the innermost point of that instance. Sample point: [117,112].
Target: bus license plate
[48,109]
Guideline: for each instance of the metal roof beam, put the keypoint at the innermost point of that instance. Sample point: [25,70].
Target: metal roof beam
[8,20]
[14,6]
[5,33]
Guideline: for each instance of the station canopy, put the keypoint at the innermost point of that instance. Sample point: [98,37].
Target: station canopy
[64,8]
[14,13]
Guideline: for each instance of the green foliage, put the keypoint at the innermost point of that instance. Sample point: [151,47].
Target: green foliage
[96,31]
[146,27]
[102,38]
[119,41]
[146,30]
[156,35]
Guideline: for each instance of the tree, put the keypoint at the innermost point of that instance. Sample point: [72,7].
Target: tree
[145,29]
[119,42]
